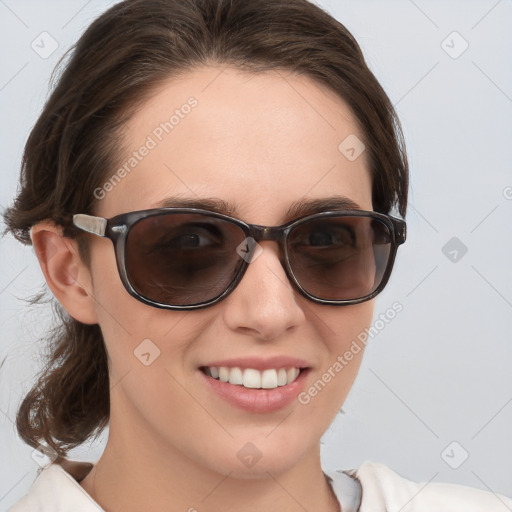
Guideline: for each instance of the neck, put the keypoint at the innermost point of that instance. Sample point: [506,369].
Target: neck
[144,476]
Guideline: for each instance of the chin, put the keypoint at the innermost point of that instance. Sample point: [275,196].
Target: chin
[274,465]
[257,459]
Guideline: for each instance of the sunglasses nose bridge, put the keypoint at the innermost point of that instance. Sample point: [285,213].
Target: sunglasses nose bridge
[267,233]
[272,234]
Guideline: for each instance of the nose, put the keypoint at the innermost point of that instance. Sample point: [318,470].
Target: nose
[264,304]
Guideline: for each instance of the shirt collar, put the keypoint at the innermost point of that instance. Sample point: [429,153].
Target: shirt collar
[57,488]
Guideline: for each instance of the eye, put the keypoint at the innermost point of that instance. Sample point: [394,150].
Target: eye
[190,236]
[327,236]
[184,241]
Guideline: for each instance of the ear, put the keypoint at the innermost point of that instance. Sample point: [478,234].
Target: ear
[67,276]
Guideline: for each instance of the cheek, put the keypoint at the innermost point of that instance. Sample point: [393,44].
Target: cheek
[341,331]
[148,351]
[339,326]
[344,323]
[136,335]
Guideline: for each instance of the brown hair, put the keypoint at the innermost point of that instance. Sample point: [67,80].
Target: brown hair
[76,143]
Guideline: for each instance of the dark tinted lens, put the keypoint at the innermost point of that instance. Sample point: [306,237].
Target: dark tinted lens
[182,259]
[340,258]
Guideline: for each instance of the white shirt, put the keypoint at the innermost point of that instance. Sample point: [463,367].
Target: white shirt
[370,488]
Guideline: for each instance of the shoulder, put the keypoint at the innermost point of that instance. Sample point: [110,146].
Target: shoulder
[383,489]
[56,489]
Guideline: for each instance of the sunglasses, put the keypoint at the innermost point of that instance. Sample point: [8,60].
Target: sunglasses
[189,258]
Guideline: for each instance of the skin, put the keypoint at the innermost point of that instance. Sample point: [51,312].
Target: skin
[261,141]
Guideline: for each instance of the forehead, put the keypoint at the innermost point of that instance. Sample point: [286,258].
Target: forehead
[258,141]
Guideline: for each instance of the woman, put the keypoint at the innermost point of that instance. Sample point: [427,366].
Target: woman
[243,161]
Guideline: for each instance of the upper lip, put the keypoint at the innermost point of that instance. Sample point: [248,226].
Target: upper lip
[259,363]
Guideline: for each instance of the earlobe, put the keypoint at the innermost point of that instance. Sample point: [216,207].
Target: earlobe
[67,276]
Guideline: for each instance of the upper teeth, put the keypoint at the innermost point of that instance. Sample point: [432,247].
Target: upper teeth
[251,378]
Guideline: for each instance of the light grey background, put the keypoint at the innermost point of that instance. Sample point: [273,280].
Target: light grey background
[440,371]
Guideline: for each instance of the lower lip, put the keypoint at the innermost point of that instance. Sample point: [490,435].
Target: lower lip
[257,400]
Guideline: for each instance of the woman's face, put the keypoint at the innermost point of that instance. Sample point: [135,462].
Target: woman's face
[260,142]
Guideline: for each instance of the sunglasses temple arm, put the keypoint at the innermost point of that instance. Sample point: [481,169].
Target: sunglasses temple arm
[400,230]
[91,224]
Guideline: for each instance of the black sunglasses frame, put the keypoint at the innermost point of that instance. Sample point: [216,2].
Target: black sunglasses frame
[117,228]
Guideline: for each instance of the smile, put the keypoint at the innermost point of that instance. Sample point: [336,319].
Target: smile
[256,384]
[251,378]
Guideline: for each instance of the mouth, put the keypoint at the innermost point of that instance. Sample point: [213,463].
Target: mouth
[251,378]
[254,384]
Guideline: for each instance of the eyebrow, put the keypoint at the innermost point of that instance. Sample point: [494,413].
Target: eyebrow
[299,208]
